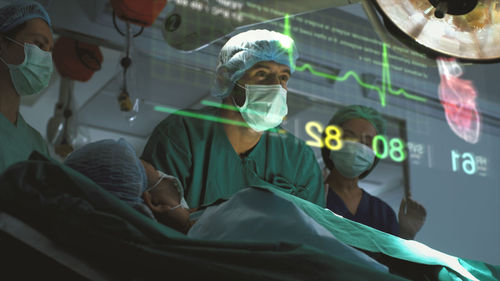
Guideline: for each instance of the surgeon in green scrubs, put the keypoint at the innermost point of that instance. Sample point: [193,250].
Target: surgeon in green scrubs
[219,150]
[25,69]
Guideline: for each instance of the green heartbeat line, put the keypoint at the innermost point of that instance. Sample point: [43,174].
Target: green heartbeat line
[289,34]
[208,117]
[386,74]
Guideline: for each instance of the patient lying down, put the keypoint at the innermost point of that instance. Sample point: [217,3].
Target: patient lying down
[256,214]
[114,166]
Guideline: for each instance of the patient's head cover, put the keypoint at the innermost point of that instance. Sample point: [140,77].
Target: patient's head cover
[114,166]
[244,50]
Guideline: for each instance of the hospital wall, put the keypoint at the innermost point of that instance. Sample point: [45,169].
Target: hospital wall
[463,210]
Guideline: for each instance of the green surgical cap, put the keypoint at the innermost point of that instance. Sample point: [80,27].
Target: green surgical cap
[15,14]
[362,112]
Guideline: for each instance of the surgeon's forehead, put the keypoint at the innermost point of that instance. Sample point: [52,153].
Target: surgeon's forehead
[271,65]
[359,127]
[38,29]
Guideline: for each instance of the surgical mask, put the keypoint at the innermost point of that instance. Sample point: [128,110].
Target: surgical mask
[352,159]
[33,74]
[264,107]
[178,186]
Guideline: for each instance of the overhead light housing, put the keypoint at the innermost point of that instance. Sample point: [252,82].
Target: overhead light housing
[465,29]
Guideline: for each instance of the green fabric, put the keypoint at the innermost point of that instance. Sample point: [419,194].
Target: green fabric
[482,271]
[200,155]
[18,141]
[373,240]
[88,221]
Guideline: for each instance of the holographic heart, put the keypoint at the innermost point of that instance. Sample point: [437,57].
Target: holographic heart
[458,98]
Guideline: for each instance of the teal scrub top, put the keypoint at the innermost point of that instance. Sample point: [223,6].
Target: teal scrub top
[18,141]
[199,153]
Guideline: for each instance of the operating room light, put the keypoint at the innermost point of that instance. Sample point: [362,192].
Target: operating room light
[466,30]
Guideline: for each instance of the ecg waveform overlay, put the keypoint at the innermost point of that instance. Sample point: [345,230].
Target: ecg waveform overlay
[382,91]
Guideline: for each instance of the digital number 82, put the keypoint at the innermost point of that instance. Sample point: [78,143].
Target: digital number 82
[333,139]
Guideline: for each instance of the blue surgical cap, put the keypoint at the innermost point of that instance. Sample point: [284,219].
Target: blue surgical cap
[114,166]
[359,112]
[15,14]
[244,50]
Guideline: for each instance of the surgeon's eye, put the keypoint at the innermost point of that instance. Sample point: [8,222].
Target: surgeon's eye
[284,78]
[39,44]
[261,74]
[353,139]
[368,141]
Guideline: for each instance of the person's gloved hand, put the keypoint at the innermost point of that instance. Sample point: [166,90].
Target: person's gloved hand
[411,218]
